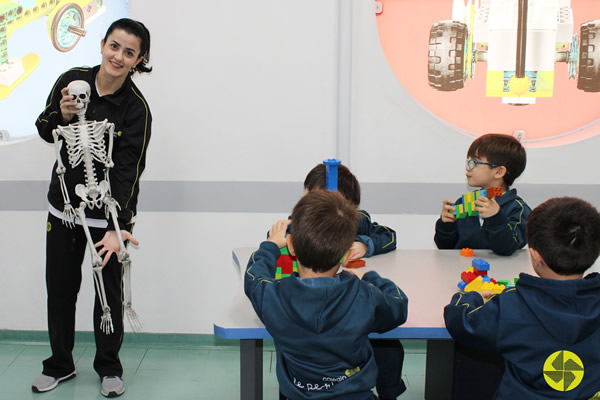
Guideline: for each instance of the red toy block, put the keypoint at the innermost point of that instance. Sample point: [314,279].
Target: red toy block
[356,264]
[479,273]
[286,262]
[467,276]
[466,252]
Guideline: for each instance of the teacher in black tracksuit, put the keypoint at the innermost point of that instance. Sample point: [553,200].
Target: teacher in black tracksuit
[125,50]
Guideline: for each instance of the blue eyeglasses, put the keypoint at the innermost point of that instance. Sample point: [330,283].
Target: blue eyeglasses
[471,164]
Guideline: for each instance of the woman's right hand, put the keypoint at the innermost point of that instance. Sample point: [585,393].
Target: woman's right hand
[67,105]
[447,214]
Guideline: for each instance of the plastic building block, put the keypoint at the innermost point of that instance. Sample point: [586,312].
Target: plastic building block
[286,264]
[476,278]
[467,277]
[356,264]
[466,252]
[478,284]
[331,169]
[494,192]
[481,264]
[467,207]
[508,284]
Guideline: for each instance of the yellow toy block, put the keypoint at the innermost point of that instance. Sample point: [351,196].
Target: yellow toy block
[477,284]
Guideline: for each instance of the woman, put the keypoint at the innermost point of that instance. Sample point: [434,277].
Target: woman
[125,50]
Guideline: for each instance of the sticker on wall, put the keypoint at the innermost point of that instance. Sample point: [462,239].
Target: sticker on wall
[39,40]
[525,67]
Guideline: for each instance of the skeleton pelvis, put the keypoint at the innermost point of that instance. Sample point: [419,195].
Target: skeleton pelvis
[93,194]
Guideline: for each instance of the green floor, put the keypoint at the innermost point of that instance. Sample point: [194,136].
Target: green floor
[172,367]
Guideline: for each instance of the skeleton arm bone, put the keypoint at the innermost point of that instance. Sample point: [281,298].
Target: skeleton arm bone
[68,211]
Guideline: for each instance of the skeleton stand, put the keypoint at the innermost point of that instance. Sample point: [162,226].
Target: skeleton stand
[85,143]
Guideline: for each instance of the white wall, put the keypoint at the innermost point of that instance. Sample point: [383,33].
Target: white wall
[246,91]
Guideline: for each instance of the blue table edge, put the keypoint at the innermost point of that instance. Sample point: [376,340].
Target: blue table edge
[398,333]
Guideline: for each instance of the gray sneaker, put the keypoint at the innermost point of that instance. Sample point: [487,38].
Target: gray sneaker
[44,383]
[112,386]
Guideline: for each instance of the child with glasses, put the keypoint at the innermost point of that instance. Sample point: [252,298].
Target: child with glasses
[493,160]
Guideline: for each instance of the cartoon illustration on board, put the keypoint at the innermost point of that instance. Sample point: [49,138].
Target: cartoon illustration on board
[65,22]
[521,40]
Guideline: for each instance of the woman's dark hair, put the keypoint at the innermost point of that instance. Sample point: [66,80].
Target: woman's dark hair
[138,29]
[566,233]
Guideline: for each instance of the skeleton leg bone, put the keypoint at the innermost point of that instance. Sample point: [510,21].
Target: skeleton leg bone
[106,324]
[134,319]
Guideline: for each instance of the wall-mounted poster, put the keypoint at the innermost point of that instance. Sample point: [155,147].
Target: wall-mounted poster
[40,39]
[528,67]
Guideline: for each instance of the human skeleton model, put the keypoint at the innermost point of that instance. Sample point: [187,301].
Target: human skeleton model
[85,143]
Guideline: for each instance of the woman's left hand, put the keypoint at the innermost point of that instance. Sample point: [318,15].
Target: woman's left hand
[110,244]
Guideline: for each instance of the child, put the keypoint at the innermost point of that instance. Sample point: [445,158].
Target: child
[320,319]
[547,328]
[372,239]
[493,160]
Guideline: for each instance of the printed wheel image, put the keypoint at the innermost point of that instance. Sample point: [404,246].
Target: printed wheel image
[67,27]
[447,41]
[588,78]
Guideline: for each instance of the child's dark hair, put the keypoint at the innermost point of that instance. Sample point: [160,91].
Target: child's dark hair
[138,29]
[502,150]
[566,233]
[348,185]
[324,225]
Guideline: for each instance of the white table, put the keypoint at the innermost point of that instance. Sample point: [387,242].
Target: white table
[428,277]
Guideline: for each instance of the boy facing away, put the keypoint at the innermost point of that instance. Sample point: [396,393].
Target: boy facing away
[547,327]
[493,160]
[320,319]
[371,239]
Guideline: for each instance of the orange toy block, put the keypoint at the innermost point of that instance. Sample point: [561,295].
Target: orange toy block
[494,192]
[356,264]
[466,252]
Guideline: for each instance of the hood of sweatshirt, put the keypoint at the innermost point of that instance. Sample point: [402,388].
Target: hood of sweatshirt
[568,310]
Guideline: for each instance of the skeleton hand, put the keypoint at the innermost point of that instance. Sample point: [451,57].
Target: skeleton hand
[69,216]
[67,105]
[110,244]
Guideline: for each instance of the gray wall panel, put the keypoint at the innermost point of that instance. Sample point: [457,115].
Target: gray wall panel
[275,197]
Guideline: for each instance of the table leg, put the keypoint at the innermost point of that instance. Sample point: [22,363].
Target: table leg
[251,369]
[439,370]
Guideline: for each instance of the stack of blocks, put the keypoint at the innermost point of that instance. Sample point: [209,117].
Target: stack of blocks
[467,208]
[476,278]
[286,264]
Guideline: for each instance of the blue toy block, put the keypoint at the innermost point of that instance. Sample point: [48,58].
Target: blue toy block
[481,264]
[486,278]
[462,285]
[331,169]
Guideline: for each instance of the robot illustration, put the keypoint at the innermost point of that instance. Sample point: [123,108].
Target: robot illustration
[521,40]
[85,143]
[65,24]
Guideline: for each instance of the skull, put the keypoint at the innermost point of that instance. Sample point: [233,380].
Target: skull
[80,90]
